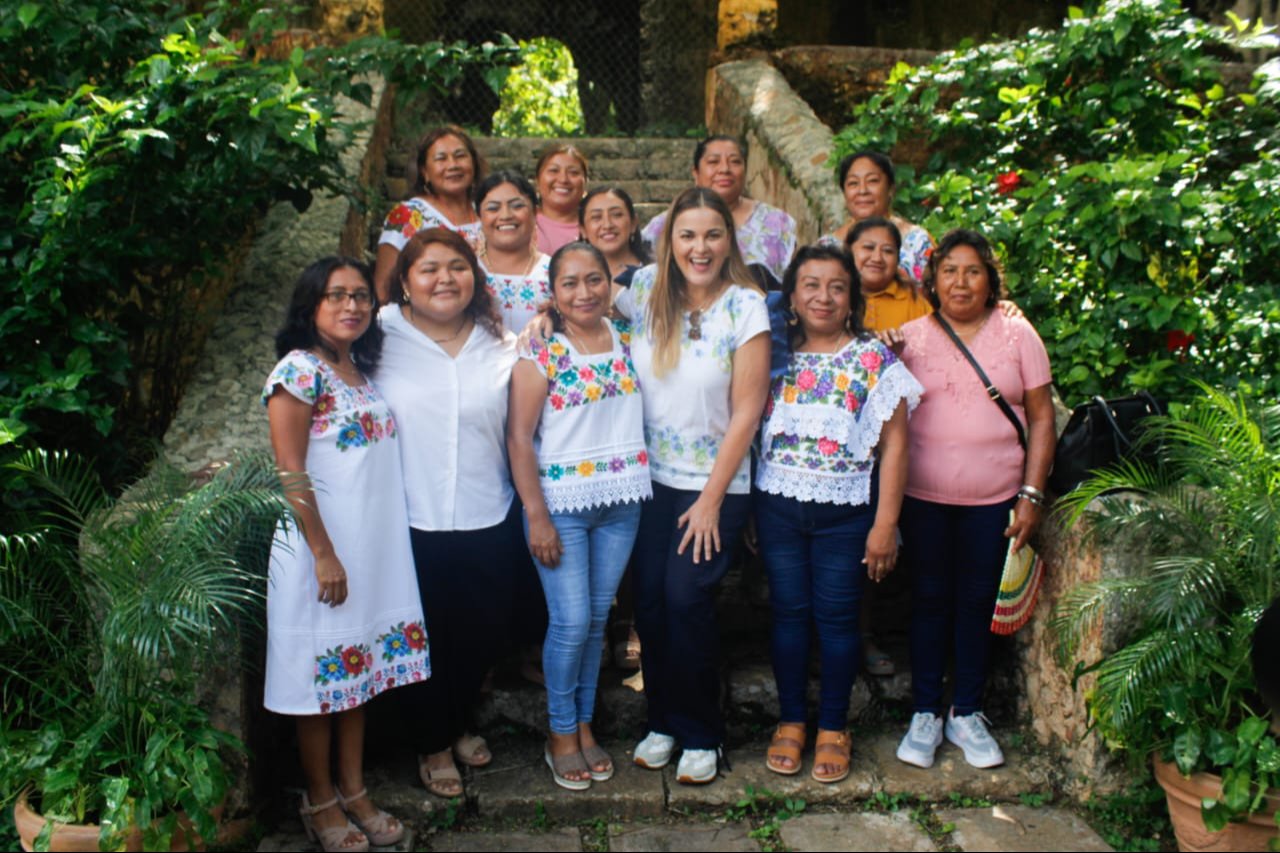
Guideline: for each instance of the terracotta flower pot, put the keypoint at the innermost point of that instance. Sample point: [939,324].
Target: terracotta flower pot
[1184,796]
[79,838]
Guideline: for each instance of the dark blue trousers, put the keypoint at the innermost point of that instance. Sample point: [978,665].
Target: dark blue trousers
[675,603]
[956,555]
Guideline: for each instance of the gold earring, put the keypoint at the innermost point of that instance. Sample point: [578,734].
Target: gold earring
[792,319]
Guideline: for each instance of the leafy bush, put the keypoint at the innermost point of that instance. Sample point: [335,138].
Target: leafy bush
[1204,528]
[1134,199]
[113,616]
[141,144]
[539,97]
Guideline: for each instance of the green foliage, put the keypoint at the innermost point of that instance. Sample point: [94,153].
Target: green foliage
[539,97]
[141,144]
[1203,527]
[114,614]
[768,810]
[1133,199]
[1134,819]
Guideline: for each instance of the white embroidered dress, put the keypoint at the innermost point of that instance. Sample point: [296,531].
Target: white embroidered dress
[323,659]
[824,418]
[590,440]
[518,297]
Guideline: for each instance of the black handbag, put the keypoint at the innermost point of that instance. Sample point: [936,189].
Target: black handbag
[1100,433]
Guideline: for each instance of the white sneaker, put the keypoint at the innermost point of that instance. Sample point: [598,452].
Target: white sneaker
[921,741]
[697,766]
[970,734]
[654,752]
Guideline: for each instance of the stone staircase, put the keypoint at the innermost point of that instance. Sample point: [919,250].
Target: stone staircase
[652,170]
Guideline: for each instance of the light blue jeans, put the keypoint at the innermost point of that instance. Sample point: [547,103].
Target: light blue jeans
[597,543]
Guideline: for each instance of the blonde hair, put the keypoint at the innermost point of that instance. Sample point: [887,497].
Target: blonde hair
[670,291]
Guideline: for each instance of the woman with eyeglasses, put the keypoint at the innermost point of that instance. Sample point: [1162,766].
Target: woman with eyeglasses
[340,627]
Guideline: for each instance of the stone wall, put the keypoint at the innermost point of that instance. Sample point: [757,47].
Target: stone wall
[787,146]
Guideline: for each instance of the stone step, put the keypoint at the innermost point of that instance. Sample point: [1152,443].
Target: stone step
[750,699]
[602,171]
[518,784]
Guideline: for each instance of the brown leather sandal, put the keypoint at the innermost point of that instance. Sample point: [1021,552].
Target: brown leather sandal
[832,748]
[788,741]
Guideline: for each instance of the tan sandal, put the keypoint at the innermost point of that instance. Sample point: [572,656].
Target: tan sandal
[472,750]
[332,839]
[380,828]
[444,782]
[787,743]
[832,748]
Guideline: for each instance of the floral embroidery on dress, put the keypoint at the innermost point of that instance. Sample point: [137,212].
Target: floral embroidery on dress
[348,675]
[578,384]
[669,445]
[917,245]
[615,464]
[413,215]
[358,413]
[823,420]
[521,293]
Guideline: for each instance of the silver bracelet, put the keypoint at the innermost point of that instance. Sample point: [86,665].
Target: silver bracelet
[1031,491]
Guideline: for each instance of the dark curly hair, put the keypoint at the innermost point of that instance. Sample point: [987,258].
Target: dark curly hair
[480,309]
[975,241]
[299,329]
[857,304]
[505,176]
[866,225]
[700,150]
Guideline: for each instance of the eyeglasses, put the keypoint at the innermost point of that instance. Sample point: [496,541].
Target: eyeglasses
[338,298]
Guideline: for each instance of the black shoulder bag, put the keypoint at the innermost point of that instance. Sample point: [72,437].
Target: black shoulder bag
[1100,433]
[992,391]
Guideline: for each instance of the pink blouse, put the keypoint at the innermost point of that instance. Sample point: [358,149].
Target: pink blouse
[553,234]
[963,450]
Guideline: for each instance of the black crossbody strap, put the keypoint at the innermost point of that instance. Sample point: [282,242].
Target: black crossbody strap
[992,391]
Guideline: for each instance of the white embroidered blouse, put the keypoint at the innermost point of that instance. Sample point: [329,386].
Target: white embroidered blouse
[590,440]
[823,421]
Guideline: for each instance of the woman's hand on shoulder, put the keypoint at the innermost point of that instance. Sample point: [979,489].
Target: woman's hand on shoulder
[331,577]
[544,540]
[539,326]
[893,339]
[1010,309]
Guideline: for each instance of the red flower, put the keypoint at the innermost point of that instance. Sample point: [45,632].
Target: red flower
[827,447]
[1007,182]
[391,682]
[415,636]
[1176,339]
[400,215]
[324,707]
[353,660]
[642,457]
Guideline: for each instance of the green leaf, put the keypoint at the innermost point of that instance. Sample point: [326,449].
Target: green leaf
[1251,730]
[1215,815]
[1235,789]
[27,14]
[1220,748]
[1186,749]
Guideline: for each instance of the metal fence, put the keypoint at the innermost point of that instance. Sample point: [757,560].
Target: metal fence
[604,39]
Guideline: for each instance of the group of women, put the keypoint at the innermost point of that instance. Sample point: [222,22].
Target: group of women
[428,448]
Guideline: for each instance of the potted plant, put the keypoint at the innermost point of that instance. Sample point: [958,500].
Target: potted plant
[1203,524]
[115,615]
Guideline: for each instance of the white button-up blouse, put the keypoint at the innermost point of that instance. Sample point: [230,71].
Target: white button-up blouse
[452,415]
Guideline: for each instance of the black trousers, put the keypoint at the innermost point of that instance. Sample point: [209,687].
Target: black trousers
[675,603]
[468,583]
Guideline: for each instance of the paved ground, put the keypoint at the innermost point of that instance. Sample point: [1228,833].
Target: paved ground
[883,805]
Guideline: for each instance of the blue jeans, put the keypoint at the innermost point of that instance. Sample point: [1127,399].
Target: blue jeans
[813,555]
[596,543]
[956,555]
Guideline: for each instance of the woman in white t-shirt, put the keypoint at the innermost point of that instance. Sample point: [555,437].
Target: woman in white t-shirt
[444,173]
[445,373]
[701,348]
[575,435]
